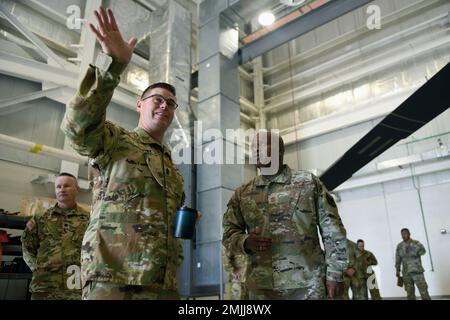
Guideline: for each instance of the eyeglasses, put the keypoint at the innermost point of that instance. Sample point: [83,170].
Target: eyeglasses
[159,100]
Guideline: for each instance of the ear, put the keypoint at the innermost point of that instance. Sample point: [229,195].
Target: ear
[138,105]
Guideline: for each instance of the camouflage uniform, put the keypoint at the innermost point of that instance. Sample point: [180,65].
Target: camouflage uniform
[357,282]
[235,288]
[407,256]
[96,290]
[51,246]
[137,189]
[288,210]
[368,260]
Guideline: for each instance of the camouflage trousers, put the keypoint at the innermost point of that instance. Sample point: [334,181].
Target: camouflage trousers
[358,286]
[114,291]
[311,293]
[235,290]
[418,279]
[373,287]
[57,295]
[375,294]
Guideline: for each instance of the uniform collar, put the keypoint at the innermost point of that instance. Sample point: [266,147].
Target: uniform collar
[283,178]
[59,210]
[147,139]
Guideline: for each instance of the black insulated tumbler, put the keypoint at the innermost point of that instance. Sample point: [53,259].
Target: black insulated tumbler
[185,223]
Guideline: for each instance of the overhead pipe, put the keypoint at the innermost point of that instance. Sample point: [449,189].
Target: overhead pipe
[418,6]
[362,112]
[41,149]
[378,176]
[249,105]
[370,69]
[44,51]
[284,20]
[357,52]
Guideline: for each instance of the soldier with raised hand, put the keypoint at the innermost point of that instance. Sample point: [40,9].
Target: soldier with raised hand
[129,251]
[408,261]
[51,245]
[274,220]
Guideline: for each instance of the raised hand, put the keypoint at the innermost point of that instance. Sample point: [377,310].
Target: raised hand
[109,36]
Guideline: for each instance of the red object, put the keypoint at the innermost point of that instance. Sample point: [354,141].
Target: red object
[3,236]
[3,239]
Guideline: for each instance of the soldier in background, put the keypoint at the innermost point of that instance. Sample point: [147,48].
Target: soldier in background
[236,267]
[368,260]
[408,261]
[129,251]
[354,275]
[273,220]
[51,245]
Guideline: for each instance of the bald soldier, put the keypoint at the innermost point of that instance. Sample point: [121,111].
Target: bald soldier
[51,245]
[274,220]
[408,262]
[129,251]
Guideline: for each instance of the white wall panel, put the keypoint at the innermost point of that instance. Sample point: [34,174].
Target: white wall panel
[437,207]
[378,213]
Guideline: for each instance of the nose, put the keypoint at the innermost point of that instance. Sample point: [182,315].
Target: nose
[163,103]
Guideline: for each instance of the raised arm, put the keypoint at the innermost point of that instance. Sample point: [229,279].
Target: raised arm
[84,123]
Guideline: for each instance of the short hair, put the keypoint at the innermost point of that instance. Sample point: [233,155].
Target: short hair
[405,229]
[360,240]
[66,174]
[163,85]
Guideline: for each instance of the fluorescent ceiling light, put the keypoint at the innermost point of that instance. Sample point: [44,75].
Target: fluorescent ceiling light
[266,18]
[292,2]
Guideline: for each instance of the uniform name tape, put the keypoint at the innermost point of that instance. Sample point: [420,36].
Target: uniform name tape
[37,148]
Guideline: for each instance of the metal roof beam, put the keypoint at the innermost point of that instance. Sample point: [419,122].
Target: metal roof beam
[26,97]
[295,28]
[44,51]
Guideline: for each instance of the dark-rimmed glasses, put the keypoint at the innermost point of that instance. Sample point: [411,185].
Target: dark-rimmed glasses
[159,100]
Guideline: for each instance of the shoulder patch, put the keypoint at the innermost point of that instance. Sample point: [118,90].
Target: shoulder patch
[30,224]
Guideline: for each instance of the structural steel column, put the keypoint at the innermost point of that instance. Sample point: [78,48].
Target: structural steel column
[219,109]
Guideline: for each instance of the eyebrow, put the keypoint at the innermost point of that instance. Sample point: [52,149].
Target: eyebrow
[153,94]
